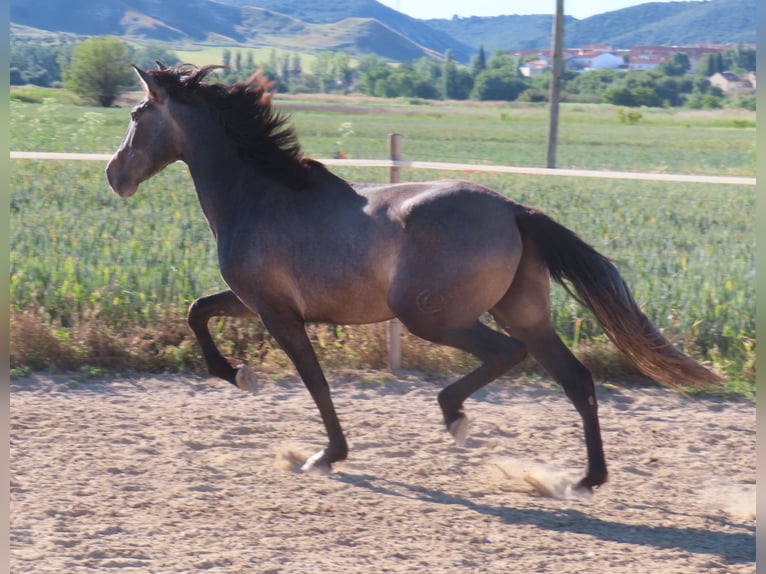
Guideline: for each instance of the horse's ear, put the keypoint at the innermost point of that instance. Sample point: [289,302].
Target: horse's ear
[150,85]
[160,65]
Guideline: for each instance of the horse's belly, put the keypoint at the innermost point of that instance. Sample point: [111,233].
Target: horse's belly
[349,304]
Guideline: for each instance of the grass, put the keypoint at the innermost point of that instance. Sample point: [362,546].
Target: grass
[203,55]
[101,282]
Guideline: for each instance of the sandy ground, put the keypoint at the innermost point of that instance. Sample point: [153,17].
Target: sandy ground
[182,474]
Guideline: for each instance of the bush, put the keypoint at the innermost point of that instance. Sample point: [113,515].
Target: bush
[100,71]
[498,84]
[628,117]
[532,95]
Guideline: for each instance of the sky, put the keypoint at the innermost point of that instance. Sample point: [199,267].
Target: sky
[426,9]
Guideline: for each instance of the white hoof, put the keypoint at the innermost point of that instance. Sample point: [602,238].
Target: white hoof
[311,464]
[459,430]
[246,380]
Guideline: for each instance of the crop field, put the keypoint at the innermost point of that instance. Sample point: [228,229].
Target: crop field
[102,282]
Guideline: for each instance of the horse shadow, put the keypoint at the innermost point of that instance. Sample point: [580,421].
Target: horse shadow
[734,547]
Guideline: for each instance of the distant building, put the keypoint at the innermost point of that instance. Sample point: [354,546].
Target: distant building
[649,57]
[535,68]
[731,83]
[638,58]
[584,61]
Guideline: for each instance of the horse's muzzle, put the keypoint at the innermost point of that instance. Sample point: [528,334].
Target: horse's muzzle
[115,175]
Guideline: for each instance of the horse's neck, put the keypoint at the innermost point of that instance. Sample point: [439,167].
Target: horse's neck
[226,185]
[217,172]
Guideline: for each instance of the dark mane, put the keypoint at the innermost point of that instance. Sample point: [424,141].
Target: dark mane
[263,135]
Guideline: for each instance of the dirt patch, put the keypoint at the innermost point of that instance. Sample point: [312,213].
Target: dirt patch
[176,474]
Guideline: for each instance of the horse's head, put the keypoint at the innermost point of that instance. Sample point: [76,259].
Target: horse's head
[152,141]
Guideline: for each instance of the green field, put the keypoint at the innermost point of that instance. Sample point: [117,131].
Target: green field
[104,282]
[204,55]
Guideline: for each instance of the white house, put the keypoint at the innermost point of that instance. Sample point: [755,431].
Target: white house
[606,61]
[589,60]
[534,68]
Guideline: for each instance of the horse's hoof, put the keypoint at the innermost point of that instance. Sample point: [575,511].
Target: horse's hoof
[316,463]
[587,484]
[246,379]
[459,429]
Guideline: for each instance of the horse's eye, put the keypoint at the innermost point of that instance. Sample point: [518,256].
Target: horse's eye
[134,115]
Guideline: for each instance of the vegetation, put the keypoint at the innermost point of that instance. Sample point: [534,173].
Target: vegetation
[99,70]
[495,78]
[44,64]
[105,282]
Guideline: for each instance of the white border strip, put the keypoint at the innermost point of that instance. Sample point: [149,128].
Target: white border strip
[466,167]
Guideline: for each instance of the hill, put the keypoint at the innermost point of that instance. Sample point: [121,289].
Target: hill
[670,23]
[661,23]
[367,26]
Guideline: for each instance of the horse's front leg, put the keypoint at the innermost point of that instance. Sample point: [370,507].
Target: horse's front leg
[290,332]
[221,304]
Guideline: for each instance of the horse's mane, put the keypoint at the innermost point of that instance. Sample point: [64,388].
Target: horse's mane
[263,135]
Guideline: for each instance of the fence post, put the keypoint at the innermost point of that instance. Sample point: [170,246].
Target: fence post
[394,326]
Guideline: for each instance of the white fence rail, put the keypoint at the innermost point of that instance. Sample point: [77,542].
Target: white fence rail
[464,167]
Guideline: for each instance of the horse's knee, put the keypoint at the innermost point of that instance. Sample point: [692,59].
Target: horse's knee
[194,313]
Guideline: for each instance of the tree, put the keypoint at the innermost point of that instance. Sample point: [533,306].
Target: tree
[498,84]
[710,64]
[284,70]
[296,69]
[429,68]
[677,65]
[502,59]
[372,69]
[100,70]
[37,64]
[404,84]
[460,84]
[740,59]
[619,96]
[448,72]
[479,62]
[342,72]
[646,96]
[322,69]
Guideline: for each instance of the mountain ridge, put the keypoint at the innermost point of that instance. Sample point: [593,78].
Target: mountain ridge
[367,26]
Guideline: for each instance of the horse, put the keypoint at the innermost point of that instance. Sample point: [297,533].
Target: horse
[297,244]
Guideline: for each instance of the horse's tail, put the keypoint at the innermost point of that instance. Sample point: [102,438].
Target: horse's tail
[594,281]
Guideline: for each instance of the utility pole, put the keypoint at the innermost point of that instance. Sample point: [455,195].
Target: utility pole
[555,84]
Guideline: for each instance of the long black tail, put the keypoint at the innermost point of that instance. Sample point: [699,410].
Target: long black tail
[594,281]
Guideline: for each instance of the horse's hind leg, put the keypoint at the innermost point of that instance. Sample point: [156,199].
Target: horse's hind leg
[524,312]
[577,383]
[497,352]
[221,304]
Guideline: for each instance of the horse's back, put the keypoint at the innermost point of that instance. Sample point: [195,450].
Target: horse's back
[438,203]
[459,246]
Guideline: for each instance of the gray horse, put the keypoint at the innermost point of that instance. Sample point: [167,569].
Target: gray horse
[297,244]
